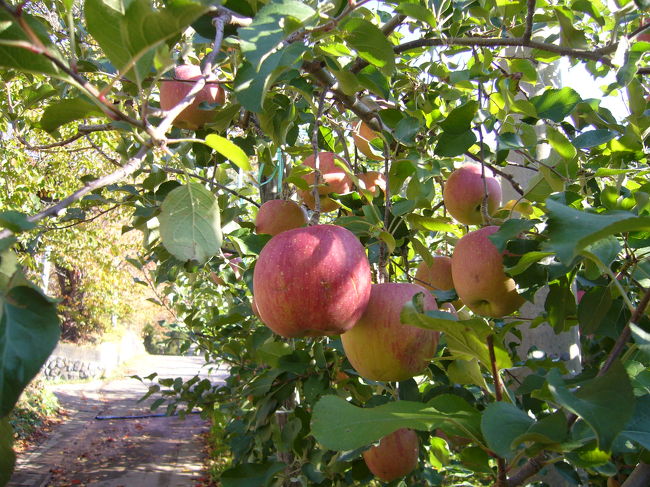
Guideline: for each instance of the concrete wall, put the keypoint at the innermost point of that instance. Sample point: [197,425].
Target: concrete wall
[72,362]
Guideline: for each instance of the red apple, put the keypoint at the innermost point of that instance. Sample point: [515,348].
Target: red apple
[395,456]
[372,180]
[362,135]
[276,216]
[437,276]
[173,91]
[312,281]
[463,194]
[254,308]
[333,179]
[327,204]
[380,347]
[481,283]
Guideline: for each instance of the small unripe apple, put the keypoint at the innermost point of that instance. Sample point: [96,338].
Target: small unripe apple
[380,347]
[276,216]
[362,135]
[173,91]
[395,456]
[334,179]
[312,281]
[372,181]
[479,278]
[464,191]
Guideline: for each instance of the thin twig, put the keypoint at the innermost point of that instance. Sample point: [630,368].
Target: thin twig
[515,185]
[314,145]
[82,130]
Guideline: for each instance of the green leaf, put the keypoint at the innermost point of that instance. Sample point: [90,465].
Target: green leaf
[29,331]
[190,223]
[638,429]
[66,111]
[370,43]
[560,143]
[417,12]
[452,145]
[460,118]
[251,84]
[466,339]
[466,372]
[641,338]
[15,221]
[338,425]
[7,455]
[229,150]
[556,104]
[605,403]
[628,71]
[569,35]
[501,424]
[593,308]
[128,30]
[510,230]
[267,30]
[560,304]
[14,57]
[570,230]
[251,474]
[593,138]
[526,261]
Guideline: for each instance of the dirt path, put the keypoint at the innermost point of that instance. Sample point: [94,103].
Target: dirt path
[146,452]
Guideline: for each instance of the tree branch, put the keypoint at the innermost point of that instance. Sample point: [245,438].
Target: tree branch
[129,168]
[530,13]
[82,130]
[640,476]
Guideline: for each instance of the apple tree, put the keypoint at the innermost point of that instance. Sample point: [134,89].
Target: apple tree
[360,112]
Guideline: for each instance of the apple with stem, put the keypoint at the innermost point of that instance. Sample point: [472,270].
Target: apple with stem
[464,192]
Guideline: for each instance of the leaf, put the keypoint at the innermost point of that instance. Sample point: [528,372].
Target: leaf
[560,143]
[560,303]
[128,30]
[190,223]
[466,339]
[29,331]
[556,104]
[229,150]
[251,84]
[7,455]
[15,221]
[267,31]
[66,111]
[370,43]
[251,474]
[571,230]
[510,230]
[460,118]
[593,308]
[14,57]
[605,403]
[417,12]
[501,423]
[593,138]
[452,145]
[338,425]
[641,338]
[638,429]
[526,261]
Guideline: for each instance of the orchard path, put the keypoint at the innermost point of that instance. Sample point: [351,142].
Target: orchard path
[144,452]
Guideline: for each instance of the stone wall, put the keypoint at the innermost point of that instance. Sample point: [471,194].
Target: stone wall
[73,362]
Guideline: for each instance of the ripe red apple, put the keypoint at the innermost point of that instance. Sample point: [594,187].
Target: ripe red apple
[333,179]
[464,191]
[437,276]
[254,308]
[380,347]
[173,91]
[327,204]
[481,283]
[312,281]
[372,180]
[395,456]
[276,216]
[362,135]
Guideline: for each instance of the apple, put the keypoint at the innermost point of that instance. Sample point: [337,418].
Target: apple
[481,283]
[449,308]
[372,180]
[380,347]
[276,216]
[173,91]
[334,179]
[362,135]
[463,194]
[327,204]
[312,281]
[254,308]
[395,456]
[437,276]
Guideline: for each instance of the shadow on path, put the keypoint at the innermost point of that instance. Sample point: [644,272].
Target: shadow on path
[142,452]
